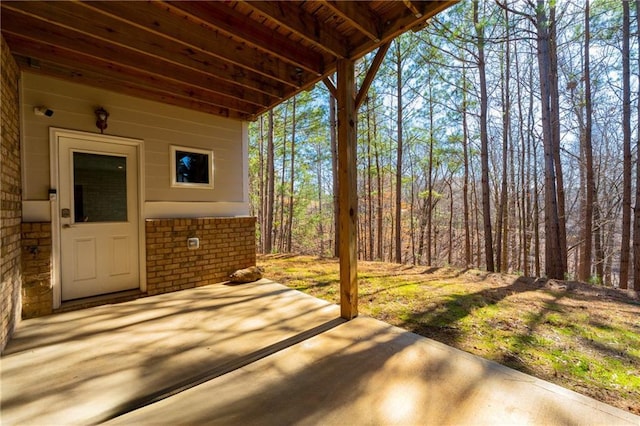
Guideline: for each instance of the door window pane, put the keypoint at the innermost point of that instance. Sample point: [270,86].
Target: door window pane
[99,188]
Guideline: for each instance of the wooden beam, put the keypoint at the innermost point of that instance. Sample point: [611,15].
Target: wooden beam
[412,8]
[220,16]
[288,15]
[72,16]
[330,86]
[358,15]
[166,24]
[371,73]
[32,31]
[347,189]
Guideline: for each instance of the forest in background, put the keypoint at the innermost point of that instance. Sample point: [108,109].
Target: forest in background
[503,136]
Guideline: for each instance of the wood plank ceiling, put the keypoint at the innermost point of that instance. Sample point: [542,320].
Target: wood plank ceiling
[233,59]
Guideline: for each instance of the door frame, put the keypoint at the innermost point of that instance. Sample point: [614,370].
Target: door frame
[54,135]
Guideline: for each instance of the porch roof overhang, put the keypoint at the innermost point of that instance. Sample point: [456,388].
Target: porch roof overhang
[234,59]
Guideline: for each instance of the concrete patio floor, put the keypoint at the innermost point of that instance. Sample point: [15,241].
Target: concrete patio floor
[261,354]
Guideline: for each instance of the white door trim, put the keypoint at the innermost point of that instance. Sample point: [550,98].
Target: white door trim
[54,135]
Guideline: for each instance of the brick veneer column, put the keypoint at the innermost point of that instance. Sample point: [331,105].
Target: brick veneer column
[37,295]
[10,196]
[226,244]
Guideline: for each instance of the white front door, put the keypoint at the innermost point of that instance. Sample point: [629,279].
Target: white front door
[98,217]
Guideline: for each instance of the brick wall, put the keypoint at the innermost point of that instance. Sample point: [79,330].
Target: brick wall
[37,296]
[226,244]
[10,195]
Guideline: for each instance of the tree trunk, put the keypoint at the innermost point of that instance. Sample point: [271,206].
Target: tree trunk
[429,204]
[319,183]
[412,231]
[524,169]
[291,177]
[379,199]
[268,232]
[262,187]
[465,182]
[484,142]
[398,218]
[510,238]
[334,170]
[536,216]
[598,241]
[584,274]
[555,131]
[554,266]
[369,184]
[476,218]
[636,219]
[626,148]
[450,229]
[501,226]
[281,225]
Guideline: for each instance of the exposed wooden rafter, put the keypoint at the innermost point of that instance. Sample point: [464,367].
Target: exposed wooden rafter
[358,15]
[235,24]
[164,24]
[72,24]
[412,8]
[231,58]
[317,33]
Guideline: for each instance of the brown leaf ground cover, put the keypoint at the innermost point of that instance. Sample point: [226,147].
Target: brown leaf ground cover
[582,337]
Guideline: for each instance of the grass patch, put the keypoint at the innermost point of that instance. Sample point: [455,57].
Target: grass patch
[585,338]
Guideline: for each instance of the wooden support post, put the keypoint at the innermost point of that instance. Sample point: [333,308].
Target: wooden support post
[347,192]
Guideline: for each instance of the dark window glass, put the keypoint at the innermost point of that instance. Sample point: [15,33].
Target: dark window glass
[192,167]
[99,188]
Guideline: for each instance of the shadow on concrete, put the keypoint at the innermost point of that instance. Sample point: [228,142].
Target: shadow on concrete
[353,374]
[258,354]
[129,350]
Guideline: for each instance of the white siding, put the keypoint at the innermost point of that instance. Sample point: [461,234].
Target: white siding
[158,125]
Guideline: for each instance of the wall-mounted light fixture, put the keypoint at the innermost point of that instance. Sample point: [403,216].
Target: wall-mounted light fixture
[101,119]
[42,111]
